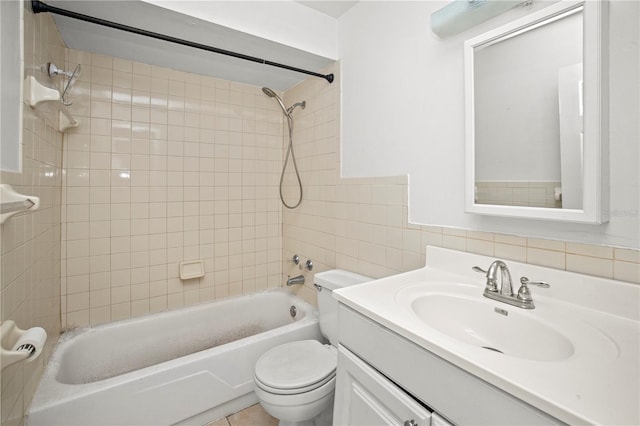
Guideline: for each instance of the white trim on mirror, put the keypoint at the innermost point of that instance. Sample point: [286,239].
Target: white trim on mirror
[596,109]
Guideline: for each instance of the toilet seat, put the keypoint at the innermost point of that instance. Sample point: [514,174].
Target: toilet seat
[299,399]
[296,367]
[295,391]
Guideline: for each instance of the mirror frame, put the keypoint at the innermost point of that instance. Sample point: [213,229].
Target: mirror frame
[595,208]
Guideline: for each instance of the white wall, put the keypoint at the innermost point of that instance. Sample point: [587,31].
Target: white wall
[403,112]
[277,21]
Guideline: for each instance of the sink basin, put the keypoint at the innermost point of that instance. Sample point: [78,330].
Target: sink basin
[551,332]
[499,329]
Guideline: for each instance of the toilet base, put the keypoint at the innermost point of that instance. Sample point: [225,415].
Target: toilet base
[303,423]
[293,409]
[325,418]
[299,415]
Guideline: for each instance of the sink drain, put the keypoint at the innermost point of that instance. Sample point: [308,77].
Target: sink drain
[493,349]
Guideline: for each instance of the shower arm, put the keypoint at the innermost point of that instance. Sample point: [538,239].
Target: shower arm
[40,7]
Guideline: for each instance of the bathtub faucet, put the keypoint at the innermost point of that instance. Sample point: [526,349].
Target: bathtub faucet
[295,280]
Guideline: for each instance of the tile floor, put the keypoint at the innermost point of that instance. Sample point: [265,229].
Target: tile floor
[252,416]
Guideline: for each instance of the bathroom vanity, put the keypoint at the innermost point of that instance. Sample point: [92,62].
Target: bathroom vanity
[425,347]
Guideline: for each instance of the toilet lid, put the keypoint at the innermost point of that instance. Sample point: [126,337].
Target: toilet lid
[296,365]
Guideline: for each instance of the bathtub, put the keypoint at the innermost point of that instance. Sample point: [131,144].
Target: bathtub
[189,366]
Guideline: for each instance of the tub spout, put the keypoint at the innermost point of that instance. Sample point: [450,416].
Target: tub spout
[295,280]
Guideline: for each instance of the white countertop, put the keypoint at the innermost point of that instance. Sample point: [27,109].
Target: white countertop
[598,384]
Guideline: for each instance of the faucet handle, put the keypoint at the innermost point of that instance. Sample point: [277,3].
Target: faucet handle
[524,293]
[491,282]
[525,281]
[479,269]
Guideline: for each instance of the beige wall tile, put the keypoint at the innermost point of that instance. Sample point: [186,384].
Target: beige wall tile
[454,242]
[626,271]
[627,255]
[483,247]
[549,258]
[511,252]
[590,265]
[590,250]
[510,239]
[479,235]
[546,244]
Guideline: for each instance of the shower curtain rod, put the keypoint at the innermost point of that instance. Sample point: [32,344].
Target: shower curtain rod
[39,7]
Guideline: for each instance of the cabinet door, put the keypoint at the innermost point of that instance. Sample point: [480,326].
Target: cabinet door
[365,397]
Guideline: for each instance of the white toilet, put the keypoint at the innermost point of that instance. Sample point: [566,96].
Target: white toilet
[295,381]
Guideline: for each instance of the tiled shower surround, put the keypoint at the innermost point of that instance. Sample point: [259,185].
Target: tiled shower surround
[166,167]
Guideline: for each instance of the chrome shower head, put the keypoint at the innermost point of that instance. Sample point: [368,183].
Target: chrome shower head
[53,70]
[302,105]
[270,93]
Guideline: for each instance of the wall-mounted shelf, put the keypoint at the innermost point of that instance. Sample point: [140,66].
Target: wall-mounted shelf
[35,93]
[12,202]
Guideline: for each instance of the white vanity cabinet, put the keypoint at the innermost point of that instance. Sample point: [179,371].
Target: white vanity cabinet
[365,397]
[384,379]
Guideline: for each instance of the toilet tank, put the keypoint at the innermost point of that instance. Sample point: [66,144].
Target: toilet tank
[325,283]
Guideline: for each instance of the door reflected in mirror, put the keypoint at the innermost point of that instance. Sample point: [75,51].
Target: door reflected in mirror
[528,123]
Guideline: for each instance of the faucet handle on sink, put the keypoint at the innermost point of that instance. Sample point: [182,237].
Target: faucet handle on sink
[525,281]
[479,269]
[524,293]
[492,284]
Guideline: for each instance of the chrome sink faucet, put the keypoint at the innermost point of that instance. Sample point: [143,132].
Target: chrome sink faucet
[505,293]
[506,286]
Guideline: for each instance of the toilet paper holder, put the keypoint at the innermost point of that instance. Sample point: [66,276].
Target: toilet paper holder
[20,345]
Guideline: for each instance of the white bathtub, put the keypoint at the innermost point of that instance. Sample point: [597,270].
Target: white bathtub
[189,366]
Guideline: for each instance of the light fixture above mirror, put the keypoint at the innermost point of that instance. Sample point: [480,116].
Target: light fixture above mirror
[460,15]
[536,110]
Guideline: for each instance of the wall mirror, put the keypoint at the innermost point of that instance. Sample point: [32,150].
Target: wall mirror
[536,110]
[11,43]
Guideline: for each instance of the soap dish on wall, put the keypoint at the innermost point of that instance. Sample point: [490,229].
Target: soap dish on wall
[36,93]
[191,269]
[12,202]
